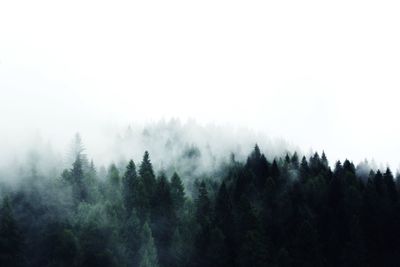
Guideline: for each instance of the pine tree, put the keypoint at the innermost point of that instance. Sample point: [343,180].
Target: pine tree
[203,216]
[128,183]
[78,181]
[306,250]
[223,221]
[132,237]
[177,192]
[147,175]
[324,160]
[390,185]
[304,169]
[379,183]
[113,177]
[203,205]
[258,166]
[163,220]
[148,251]
[275,172]
[77,150]
[295,160]
[223,209]
[315,163]
[178,249]
[217,254]
[252,242]
[141,200]
[10,237]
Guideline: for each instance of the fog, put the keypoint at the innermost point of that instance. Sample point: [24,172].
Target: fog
[321,76]
[199,133]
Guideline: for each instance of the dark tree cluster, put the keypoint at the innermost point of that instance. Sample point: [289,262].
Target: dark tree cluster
[280,212]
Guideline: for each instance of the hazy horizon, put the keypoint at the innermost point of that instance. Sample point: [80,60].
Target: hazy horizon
[322,76]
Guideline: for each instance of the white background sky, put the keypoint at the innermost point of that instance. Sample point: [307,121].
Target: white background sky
[321,74]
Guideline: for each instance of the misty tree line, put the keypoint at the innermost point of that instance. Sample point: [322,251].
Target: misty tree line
[281,212]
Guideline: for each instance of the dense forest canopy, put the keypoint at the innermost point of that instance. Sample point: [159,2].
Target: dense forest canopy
[287,210]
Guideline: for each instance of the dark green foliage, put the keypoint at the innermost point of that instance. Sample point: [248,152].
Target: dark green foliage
[177,192]
[113,176]
[295,160]
[254,213]
[148,253]
[258,165]
[147,176]
[10,237]
[128,186]
[163,220]
[390,185]
[131,236]
[203,205]
[75,178]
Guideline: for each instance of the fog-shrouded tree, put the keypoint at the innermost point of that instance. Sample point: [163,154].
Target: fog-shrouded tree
[163,220]
[128,186]
[10,237]
[131,235]
[146,173]
[148,252]
[177,192]
[246,212]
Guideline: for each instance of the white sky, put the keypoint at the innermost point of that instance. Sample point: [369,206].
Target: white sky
[321,74]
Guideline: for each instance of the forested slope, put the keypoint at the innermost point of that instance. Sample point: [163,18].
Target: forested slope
[286,211]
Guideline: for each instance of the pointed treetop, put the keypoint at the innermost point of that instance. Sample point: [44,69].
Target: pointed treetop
[177,191]
[287,158]
[256,154]
[77,148]
[113,175]
[295,160]
[275,169]
[130,169]
[388,172]
[324,159]
[146,168]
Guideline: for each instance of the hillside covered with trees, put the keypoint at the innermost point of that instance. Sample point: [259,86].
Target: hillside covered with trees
[283,211]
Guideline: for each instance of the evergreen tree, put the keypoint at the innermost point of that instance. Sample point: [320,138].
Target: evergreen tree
[178,249]
[78,181]
[223,223]
[147,175]
[141,200]
[177,192]
[148,252]
[10,237]
[379,183]
[258,165]
[275,170]
[304,169]
[163,221]
[295,160]
[132,237]
[217,254]
[128,186]
[203,205]
[390,185]
[203,216]
[113,176]
[324,160]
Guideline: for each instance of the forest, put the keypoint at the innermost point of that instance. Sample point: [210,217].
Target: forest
[290,210]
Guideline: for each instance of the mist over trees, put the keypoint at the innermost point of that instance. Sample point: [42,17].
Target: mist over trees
[287,210]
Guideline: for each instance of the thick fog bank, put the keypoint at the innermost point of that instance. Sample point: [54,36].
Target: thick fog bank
[189,148]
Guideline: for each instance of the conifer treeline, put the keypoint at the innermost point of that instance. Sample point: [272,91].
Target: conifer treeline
[280,212]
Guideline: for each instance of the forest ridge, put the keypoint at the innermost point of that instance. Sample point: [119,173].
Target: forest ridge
[283,211]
